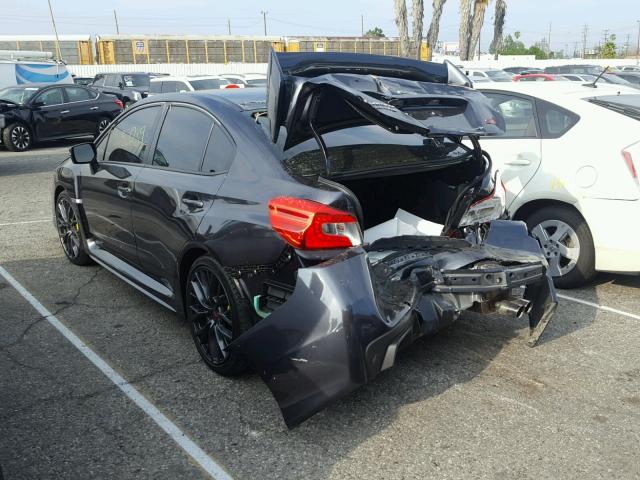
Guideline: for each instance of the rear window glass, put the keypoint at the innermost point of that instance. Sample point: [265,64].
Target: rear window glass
[369,148]
[628,105]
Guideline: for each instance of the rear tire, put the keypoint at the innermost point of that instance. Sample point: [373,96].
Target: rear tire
[17,137]
[218,313]
[69,230]
[567,243]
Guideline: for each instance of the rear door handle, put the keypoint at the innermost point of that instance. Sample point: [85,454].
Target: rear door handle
[94,108]
[64,111]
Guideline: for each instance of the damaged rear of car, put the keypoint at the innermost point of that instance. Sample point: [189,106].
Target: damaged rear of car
[395,228]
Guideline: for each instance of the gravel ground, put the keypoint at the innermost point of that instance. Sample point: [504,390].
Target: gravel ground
[471,402]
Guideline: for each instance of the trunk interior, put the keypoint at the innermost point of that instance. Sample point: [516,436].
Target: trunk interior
[429,195]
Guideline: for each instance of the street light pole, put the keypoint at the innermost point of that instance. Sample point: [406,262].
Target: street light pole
[638,47]
[117,26]
[55,30]
[264,21]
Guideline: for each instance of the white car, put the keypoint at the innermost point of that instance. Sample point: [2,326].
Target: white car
[629,68]
[569,161]
[247,79]
[169,84]
[483,75]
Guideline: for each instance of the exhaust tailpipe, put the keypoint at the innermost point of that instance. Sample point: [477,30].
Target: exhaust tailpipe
[513,307]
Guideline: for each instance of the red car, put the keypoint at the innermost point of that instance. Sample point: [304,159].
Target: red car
[537,77]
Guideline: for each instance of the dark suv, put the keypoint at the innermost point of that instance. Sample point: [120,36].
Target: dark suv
[128,87]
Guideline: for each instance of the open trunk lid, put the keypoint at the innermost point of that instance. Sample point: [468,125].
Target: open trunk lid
[309,94]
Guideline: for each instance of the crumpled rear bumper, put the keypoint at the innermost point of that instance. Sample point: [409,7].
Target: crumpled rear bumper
[348,317]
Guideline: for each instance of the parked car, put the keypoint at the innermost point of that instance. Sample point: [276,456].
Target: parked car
[517,70]
[128,87]
[569,160]
[35,112]
[538,77]
[630,76]
[187,84]
[629,68]
[577,69]
[247,79]
[86,81]
[247,218]
[487,74]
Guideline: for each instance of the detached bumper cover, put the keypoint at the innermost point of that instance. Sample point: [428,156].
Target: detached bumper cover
[347,317]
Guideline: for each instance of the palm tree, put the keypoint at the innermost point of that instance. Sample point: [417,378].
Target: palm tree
[465,28]
[434,27]
[479,9]
[418,14]
[400,8]
[498,26]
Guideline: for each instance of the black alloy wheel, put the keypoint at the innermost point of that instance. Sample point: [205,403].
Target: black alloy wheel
[17,138]
[217,313]
[102,125]
[68,227]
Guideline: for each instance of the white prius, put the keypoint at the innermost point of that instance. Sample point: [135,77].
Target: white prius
[569,161]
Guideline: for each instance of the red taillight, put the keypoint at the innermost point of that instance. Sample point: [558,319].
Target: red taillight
[119,103]
[628,159]
[232,85]
[310,225]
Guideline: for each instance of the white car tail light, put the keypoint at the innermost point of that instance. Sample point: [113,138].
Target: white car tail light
[488,208]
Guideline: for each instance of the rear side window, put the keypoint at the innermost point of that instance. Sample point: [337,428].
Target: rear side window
[220,152]
[555,121]
[183,139]
[77,94]
[171,87]
[518,114]
[155,87]
[130,138]
[98,81]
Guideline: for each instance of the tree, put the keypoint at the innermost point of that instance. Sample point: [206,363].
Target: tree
[434,27]
[479,9]
[409,47]
[498,27]
[517,35]
[465,28]
[374,32]
[608,50]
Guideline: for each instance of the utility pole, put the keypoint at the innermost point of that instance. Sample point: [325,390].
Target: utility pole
[585,31]
[229,26]
[264,21]
[626,45]
[362,24]
[478,47]
[606,35]
[117,27]
[55,30]
[549,38]
[638,46]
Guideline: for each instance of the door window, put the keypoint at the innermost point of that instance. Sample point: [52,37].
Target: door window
[130,138]
[51,97]
[220,152]
[182,140]
[77,94]
[171,86]
[155,87]
[518,114]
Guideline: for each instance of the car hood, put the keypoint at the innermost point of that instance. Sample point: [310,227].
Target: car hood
[309,94]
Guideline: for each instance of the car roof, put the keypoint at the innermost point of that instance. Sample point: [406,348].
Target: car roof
[244,99]
[185,78]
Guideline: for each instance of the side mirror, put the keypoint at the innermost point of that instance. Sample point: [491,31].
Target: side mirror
[83,153]
[121,85]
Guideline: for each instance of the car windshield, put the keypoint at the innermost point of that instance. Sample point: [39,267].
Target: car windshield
[257,82]
[18,94]
[136,80]
[208,83]
[628,105]
[498,75]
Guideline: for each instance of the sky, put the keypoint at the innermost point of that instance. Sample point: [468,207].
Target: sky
[532,18]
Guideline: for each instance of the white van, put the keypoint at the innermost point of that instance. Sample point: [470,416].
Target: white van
[18,68]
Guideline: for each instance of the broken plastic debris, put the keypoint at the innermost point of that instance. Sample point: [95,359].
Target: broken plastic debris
[404,223]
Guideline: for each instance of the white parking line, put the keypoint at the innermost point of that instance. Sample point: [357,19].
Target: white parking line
[601,307]
[181,438]
[25,222]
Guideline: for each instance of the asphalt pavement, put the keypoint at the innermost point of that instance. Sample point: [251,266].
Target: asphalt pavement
[471,402]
